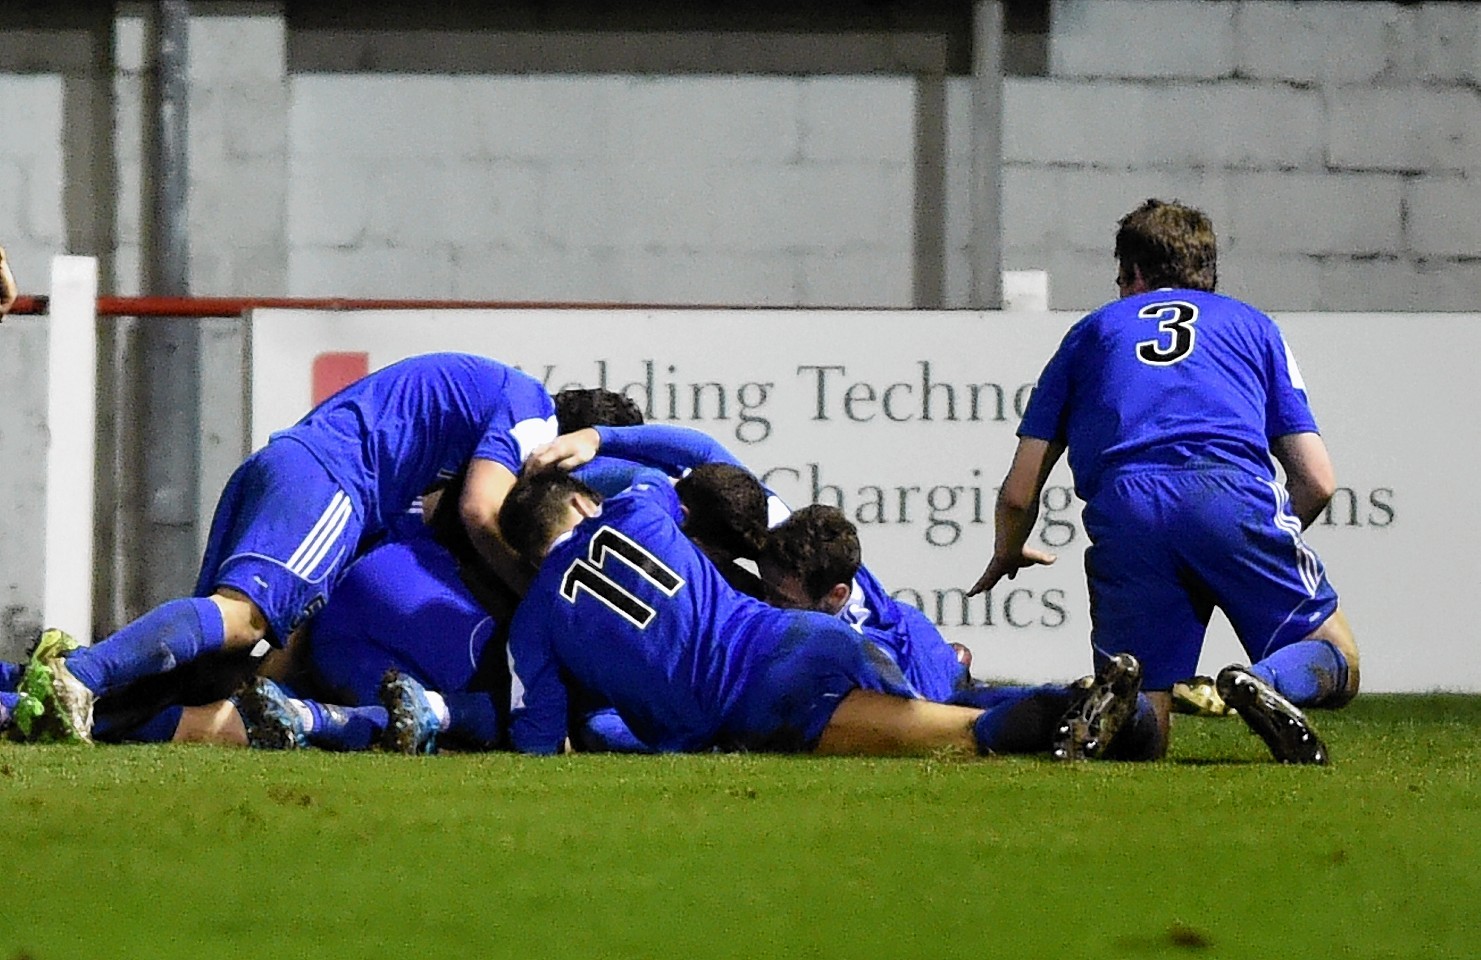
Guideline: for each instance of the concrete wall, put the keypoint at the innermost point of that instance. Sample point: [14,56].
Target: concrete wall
[1335,144]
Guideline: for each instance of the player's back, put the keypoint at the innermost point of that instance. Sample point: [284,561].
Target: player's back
[635,614]
[391,434]
[1168,379]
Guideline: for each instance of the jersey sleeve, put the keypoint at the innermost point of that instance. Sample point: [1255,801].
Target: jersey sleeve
[524,420]
[608,476]
[1287,410]
[537,696]
[656,487]
[1048,404]
[669,448]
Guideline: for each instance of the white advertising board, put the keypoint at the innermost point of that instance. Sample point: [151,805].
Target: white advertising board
[906,419]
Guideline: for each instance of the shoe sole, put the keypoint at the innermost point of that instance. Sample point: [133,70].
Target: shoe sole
[1099,713]
[261,715]
[48,683]
[1272,718]
[402,731]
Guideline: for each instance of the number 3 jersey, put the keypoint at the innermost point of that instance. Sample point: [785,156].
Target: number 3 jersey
[1168,379]
[628,609]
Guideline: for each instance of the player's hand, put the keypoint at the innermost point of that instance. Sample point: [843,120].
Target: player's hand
[566,452]
[1008,566]
[8,290]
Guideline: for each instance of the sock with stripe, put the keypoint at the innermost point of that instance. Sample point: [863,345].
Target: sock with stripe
[8,701]
[171,634]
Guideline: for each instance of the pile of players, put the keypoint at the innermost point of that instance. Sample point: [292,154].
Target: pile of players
[443,555]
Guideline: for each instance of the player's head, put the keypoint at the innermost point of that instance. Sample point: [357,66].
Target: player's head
[1165,244]
[541,506]
[725,510]
[577,409]
[810,559]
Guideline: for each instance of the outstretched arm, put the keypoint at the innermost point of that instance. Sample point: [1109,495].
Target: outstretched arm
[1017,510]
[1309,474]
[487,485]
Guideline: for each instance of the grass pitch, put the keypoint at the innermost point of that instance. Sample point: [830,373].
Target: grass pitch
[199,852]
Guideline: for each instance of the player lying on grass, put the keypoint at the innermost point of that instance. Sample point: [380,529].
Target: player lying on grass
[810,558]
[624,606]
[291,517]
[1171,401]
[932,664]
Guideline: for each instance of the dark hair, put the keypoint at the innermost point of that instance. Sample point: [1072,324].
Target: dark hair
[575,409]
[1171,244]
[727,509]
[535,506]
[447,528]
[819,545]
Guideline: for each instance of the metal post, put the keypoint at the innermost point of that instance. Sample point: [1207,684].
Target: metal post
[170,432]
[987,155]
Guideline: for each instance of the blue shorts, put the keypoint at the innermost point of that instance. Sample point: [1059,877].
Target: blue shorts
[806,664]
[1169,546]
[283,532]
[403,606]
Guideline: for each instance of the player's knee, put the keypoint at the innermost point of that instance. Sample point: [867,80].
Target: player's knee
[244,624]
[1337,632]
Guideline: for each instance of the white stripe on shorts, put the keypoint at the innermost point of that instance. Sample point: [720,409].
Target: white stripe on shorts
[330,525]
[1306,561]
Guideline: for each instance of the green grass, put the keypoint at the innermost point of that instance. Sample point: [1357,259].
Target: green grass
[198,852]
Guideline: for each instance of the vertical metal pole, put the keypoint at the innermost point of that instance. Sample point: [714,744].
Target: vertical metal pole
[171,368]
[930,191]
[987,155]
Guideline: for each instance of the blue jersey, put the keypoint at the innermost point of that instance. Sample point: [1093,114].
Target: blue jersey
[1168,379]
[628,609]
[390,435]
[870,606]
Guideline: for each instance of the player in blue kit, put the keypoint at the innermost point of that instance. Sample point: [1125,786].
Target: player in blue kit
[626,607]
[294,514]
[811,561]
[932,664]
[425,608]
[1171,401]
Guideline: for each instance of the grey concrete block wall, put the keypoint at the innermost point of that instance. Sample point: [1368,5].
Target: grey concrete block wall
[1337,146]
[1334,144]
[660,190]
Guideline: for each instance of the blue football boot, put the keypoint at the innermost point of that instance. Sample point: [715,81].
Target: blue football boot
[412,725]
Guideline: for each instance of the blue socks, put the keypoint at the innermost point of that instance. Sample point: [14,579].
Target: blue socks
[7,707]
[1141,738]
[472,718]
[10,676]
[1307,673]
[345,728]
[171,634]
[1015,719]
